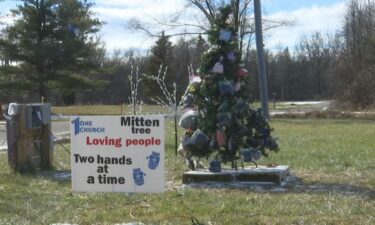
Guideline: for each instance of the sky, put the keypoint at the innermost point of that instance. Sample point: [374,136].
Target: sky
[307,16]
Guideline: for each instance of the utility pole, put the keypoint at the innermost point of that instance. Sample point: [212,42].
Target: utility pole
[261,58]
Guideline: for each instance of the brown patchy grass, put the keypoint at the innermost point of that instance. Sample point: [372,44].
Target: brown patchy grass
[332,161]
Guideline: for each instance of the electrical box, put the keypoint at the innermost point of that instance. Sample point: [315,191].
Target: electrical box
[37,115]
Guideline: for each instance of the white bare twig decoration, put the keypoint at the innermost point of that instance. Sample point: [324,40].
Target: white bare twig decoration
[169,100]
[134,84]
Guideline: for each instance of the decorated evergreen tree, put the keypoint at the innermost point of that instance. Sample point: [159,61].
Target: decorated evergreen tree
[218,121]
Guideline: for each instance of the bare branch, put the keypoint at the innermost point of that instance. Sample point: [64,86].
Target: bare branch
[160,80]
[210,17]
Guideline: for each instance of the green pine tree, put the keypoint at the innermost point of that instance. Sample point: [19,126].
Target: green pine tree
[161,58]
[54,43]
[219,122]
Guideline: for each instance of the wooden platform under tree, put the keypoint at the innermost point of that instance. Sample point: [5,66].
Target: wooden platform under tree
[261,174]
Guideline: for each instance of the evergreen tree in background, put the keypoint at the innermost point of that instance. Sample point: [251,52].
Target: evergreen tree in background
[218,121]
[159,62]
[54,44]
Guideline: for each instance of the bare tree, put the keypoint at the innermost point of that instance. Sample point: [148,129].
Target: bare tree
[356,72]
[316,49]
[242,19]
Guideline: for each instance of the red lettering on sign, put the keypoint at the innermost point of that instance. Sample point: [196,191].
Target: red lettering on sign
[104,141]
[143,142]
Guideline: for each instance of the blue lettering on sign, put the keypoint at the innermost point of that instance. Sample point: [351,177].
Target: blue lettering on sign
[81,126]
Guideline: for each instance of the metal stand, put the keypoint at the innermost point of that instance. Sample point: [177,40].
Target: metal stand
[260,174]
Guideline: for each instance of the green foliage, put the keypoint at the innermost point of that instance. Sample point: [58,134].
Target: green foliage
[50,39]
[219,122]
[159,63]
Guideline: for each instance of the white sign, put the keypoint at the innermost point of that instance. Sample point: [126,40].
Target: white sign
[117,153]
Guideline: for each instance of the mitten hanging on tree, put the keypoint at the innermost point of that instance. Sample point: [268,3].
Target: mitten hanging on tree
[225,35]
[237,86]
[226,88]
[231,56]
[189,120]
[220,137]
[242,73]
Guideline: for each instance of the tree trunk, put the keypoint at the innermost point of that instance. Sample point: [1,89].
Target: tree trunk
[43,92]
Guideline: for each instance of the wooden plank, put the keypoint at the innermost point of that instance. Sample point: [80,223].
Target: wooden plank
[22,162]
[33,147]
[47,153]
[1,111]
[249,174]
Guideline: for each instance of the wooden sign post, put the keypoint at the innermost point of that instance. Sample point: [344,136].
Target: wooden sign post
[1,111]
[29,137]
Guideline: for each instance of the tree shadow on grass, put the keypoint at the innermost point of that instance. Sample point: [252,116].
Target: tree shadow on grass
[298,186]
[292,184]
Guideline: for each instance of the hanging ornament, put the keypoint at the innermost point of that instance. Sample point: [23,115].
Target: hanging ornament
[270,143]
[224,119]
[265,132]
[193,87]
[226,88]
[240,106]
[250,154]
[228,21]
[256,155]
[231,56]
[187,100]
[237,86]
[194,79]
[213,141]
[218,68]
[238,119]
[220,137]
[189,120]
[188,146]
[244,131]
[231,144]
[197,144]
[225,35]
[182,151]
[199,139]
[224,107]
[242,72]
[215,166]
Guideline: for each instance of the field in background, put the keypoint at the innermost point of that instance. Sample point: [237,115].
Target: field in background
[128,109]
[299,110]
[333,182]
[107,109]
[147,109]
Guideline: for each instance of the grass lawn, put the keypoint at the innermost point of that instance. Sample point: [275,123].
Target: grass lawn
[333,162]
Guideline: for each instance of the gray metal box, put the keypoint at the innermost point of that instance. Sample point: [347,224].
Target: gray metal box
[37,114]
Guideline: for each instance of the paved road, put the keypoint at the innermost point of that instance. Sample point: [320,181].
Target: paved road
[58,128]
